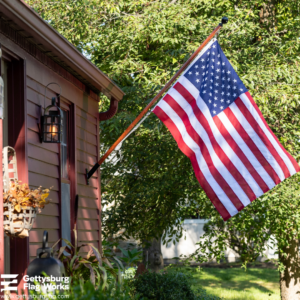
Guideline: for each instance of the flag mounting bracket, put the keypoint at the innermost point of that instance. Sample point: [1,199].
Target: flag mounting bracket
[90,173]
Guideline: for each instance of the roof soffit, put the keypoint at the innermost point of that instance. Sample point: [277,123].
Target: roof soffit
[41,33]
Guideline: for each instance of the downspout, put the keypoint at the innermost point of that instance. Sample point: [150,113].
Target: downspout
[113,108]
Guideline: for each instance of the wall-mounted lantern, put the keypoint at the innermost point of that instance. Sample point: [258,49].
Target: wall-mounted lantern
[51,122]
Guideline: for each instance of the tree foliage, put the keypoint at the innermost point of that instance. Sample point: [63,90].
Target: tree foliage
[140,45]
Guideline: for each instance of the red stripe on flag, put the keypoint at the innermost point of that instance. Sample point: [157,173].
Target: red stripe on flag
[234,146]
[218,150]
[248,116]
[291,158]
[189,153]
[206,155]
[251,145]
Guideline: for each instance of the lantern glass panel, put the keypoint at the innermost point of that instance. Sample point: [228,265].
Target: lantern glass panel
[52,128]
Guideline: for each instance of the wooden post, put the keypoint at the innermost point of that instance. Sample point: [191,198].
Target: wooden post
[162,91]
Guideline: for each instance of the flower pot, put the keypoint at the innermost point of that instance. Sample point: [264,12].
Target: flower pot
[18,224]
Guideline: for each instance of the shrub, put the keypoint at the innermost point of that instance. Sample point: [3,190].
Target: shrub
[162,286]
[166,286]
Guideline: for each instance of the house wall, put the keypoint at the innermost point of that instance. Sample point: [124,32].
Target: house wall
[87,132]
[43,159]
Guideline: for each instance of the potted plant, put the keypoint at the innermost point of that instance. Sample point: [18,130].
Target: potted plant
[21,205]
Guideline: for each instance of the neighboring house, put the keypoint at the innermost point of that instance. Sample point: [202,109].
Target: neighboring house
[34,55]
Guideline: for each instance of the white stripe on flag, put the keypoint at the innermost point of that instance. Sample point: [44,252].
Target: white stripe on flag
[189,86]
[256,139]
[258,119]
[249,154]
[221,141]
[201,161]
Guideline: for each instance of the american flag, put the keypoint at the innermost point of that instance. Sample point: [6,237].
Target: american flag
[216,123]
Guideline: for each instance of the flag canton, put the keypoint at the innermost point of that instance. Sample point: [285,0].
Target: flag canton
[216,80]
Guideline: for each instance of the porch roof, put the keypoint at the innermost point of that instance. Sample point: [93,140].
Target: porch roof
[57,47]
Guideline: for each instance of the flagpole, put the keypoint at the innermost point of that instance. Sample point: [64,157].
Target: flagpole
[90,173]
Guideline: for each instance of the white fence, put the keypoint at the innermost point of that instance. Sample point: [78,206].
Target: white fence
[187,244]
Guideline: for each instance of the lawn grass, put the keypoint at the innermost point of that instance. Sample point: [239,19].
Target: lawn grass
[238,284]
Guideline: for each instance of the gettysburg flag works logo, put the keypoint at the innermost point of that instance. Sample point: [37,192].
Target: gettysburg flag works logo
[7,284]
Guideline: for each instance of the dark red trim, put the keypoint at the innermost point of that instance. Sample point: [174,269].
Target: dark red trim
[17,138]
[113,108]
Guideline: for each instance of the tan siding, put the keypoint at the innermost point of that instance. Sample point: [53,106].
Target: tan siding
[43,167]
[88,202]
[32,123]
[87,156]
[33,109]
[44,181]
[88,213]
[36,235]
[86,125]
[81,179]
[88,236]
[86,147]
[43,161]
[82,166]
[84,115]
[46,222]
[86,136]
[43,155]
[34,139]
[88,191]
[87,224]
